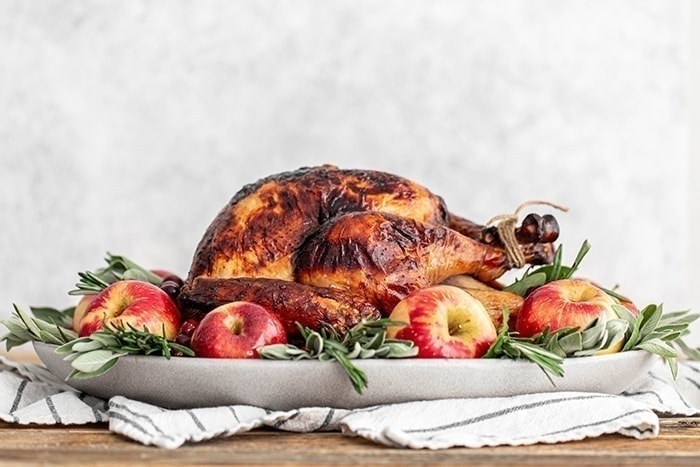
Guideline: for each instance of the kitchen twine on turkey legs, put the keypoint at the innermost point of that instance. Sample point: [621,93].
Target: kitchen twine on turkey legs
[505,226]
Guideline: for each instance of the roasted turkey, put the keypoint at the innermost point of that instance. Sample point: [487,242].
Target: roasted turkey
[328,247]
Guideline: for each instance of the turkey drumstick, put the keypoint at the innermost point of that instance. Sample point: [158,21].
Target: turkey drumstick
[384,257]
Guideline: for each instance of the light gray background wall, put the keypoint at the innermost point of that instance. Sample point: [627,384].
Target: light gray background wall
[126,125]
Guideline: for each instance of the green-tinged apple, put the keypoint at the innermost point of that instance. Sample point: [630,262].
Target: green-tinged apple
[563,303]
[444,321]
[132,303]
[236,330]
[624,301]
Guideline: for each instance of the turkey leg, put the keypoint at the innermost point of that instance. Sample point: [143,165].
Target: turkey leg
[383,257]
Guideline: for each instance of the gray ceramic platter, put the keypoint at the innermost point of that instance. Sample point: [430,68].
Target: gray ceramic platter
[284,385]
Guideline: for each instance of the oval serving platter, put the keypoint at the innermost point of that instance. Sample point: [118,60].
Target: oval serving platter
[285,385]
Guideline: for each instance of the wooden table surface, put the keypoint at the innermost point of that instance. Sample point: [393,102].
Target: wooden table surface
[677,444]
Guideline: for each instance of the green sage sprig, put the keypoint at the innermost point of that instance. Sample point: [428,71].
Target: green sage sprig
[597,338]
[658,332]
[650,330]
[118,268]
[52,329]
[533,278]
[93,355]
[365,340]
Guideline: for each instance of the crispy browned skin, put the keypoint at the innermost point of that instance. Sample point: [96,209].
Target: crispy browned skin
[292,302]
[257,232]
[384,257]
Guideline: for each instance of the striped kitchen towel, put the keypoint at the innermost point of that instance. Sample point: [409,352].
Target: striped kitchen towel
[30,394]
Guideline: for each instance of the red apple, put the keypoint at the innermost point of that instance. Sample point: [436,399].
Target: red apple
[131,302]
[624,301]
[563,303]
[236,330]
[444,321]
[80,310]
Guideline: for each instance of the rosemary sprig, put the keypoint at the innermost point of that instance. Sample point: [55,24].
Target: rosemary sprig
[507,345]
[365,340]
[95,354]
[118,268]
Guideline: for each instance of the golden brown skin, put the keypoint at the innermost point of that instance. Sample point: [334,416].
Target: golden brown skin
[258,231]
[290,301]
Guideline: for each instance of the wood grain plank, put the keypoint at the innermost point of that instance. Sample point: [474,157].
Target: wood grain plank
[677,444]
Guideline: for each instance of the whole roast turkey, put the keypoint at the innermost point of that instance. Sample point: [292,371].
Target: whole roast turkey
[324,246]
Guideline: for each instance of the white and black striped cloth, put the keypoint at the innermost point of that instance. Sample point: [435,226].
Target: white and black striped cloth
[30,394]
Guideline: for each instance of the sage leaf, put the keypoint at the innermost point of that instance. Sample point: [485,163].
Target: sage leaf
[27,320]
[86,346]
[18,329]
[651,318]
[62,318]
[92,361]
[68,346]
[521,286]
[49,338]
[570,343]
[365,340]
[100,371]
[658,347]
[275,352]
[11,342]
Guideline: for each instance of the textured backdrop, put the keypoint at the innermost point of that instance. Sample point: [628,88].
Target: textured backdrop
[126,125]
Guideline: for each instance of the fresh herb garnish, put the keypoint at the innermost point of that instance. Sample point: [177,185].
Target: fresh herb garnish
[658,332]
[63,318]
[533,278]
[598,338]
[95,354]
[507,345]
[365,340]
[25,328]
[89,356]
[118,268]
[650,330]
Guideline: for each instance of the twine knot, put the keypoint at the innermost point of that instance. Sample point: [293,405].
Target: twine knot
[505,226]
